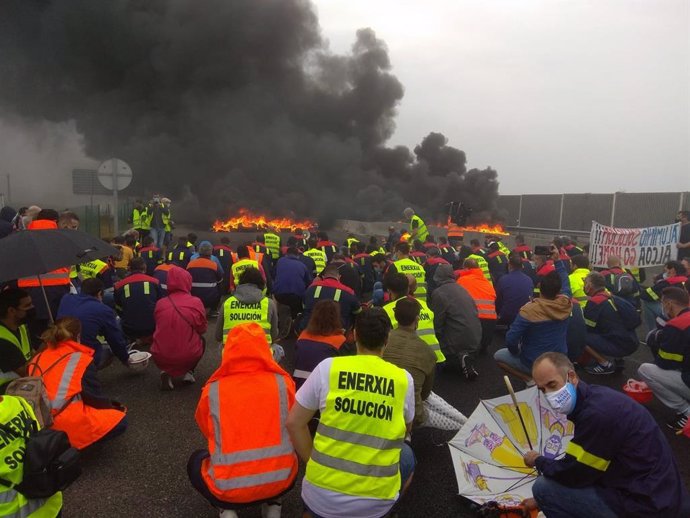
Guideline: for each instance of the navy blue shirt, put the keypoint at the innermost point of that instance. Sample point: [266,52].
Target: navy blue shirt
[513,291]
[618,449]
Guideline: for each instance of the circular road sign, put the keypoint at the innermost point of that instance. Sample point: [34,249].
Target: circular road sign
[117,181]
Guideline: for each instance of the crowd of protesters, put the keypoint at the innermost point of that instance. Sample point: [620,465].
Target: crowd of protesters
[395,309]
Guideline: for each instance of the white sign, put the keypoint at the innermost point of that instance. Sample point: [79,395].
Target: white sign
[114,174]
[636,247]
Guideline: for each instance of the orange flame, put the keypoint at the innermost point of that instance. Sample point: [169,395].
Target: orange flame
[483,228]
[249,220]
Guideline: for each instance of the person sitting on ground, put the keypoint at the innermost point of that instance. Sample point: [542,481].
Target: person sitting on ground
[178,342]
[323,338]
[248,304]
[151,255]
[15,345]
[541,326]
[135,300]
[433,261]
[96,319]
[669,375]
[291,282]
[674,274]
[121,263]
[181,253]
[77,403]
[207,274]
[484,296]
[405,264]
[611,323]
[223,252]
[328,287]
[456,322]
[242,261]
[617,464]
[13,411]
[497,261]
[348,272]
[408,351]
[247,378]
[315,254]
[513,290]
[621,283]
[359,420]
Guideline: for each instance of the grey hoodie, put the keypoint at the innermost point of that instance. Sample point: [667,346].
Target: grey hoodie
[455,315]
[249,294]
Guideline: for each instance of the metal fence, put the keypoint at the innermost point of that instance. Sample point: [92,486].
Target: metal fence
[98,219]
[573,213]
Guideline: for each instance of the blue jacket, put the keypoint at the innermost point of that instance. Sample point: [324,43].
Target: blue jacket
[603,319]
[135,301]
[96,319]
[542,324]
[619,449]
[512,292]
[671,345]
[292,276]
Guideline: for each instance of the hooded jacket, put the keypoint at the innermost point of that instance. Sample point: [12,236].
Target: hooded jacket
[248,381]
[455,315]
[249,294]
[180,325]
[542,324]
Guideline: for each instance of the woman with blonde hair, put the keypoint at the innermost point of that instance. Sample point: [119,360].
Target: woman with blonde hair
[78,407]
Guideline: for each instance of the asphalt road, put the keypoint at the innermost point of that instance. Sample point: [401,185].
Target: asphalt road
[143,472]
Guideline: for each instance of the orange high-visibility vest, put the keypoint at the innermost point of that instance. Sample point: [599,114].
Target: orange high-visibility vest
[250,459]
[482,291]
[62,368]
[57,277]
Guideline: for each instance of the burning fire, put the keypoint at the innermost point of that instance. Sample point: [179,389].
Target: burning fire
[249,220]
[482,228]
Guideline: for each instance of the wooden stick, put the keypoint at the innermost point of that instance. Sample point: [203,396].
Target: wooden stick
[517,409]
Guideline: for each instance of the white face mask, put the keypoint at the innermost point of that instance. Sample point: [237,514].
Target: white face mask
[563,400]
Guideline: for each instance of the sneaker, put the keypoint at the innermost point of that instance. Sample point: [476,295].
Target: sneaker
[189,378]
[166,382]
[228,513]
[678,423]
[601,369]
[468,368]
[271,510]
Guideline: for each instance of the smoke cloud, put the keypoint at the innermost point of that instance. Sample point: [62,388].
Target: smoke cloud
[237,103]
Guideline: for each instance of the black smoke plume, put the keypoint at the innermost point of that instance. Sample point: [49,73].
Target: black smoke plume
[239,102]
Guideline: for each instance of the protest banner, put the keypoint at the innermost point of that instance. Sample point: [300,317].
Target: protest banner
[636,247]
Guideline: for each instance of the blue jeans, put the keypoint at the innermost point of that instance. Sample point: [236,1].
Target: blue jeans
[407,464]
[158,235]
[559,501]
[651,310]
[511,360]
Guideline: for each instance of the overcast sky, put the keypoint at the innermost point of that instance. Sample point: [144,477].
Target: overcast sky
[558,96]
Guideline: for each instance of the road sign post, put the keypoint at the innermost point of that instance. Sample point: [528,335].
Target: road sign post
[114,174]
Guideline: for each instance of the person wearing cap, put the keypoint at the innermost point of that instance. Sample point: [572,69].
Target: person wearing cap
[418,228]
[617,464]
[669,375]
[207,274]
[248,462]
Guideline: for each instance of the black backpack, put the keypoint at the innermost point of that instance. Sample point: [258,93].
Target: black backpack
[50,463]
[623,285]
[628,313]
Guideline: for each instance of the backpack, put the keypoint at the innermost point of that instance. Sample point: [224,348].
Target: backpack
[50,463]
[623,284]
[629,315]
[33,391]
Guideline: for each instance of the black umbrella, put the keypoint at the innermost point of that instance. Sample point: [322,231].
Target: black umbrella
[36,252]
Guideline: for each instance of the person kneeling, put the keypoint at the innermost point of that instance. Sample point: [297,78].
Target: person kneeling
[248,461]
[69,374]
